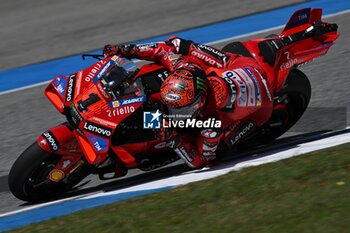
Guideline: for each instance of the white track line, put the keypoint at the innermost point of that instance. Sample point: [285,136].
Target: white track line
[198,175]
[40,205]
[25,87]
[203,174]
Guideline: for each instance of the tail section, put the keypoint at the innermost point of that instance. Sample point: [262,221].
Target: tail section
[304,38]
[302,17]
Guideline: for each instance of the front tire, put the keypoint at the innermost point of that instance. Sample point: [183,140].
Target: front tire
[27,179]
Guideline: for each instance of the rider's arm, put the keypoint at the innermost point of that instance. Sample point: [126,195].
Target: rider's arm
[207,54]
[158,52]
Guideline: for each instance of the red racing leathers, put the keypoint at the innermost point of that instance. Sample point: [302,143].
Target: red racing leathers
[238,93]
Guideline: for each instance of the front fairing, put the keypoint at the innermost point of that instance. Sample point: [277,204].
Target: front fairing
[89,109]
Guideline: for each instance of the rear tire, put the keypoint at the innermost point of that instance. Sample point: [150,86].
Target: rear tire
[297,90]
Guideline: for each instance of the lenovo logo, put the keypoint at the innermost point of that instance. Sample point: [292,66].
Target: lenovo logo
[70,89]
[52,141]
[97,129]
[245,130]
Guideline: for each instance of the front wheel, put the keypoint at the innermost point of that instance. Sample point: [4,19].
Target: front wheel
[28,180]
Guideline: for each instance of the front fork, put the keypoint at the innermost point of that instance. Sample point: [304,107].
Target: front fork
[60,140]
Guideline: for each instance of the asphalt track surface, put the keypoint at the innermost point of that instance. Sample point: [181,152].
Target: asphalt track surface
[34,31]
[27,113]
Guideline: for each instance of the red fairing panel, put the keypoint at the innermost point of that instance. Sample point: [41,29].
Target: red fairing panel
[59,140]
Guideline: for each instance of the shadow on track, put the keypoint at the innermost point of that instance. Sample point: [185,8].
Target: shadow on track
[277,146]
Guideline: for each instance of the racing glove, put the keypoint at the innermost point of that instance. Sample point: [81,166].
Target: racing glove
[199,152]
[110,50]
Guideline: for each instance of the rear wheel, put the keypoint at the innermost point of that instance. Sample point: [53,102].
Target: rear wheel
[293,99]
[28,181]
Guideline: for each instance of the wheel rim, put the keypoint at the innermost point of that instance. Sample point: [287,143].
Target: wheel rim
[37,180]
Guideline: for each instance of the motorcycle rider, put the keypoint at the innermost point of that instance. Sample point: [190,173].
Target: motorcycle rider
[242,99]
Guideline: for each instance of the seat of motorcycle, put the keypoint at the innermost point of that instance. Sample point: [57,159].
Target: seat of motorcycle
[269,50]
[237,47]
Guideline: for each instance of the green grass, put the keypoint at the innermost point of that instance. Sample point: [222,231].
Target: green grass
[310,193]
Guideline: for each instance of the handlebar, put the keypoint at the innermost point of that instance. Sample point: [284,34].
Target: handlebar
[96,56]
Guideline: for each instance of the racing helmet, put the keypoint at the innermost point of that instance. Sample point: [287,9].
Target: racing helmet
[184,92]
[117,82]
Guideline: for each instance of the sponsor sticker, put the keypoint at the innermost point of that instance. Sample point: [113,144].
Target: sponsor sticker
[103,70]
[135,100]
[257,86]
[300,17]
[242,96]
[114,104]
[117,59]
[56,175]
[290,62]
[99,144]
[70,88]
[173,56]
[93,72]
[120,111]
[206,58]
[175,59]
[97,129]
[51,140]
[213,52]
[172,97]
[60,85]
[251,88]
[245,130]
[232,92]
[147,46]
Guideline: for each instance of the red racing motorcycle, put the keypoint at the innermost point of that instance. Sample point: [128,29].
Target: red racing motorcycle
[106,134]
